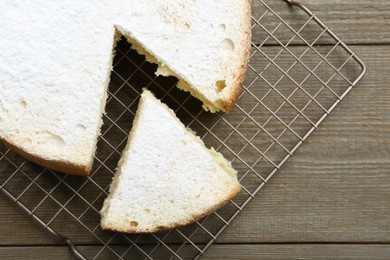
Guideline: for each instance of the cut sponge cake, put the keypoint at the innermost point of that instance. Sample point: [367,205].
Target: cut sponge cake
[56,59]
[166,176]
[205,44]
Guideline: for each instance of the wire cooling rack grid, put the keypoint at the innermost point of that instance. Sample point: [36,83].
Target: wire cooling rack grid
[299,71]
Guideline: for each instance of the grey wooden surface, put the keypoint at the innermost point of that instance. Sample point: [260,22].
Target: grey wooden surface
[331,199]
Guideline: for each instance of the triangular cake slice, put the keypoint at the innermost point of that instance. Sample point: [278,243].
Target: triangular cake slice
[56,59]
[166,177]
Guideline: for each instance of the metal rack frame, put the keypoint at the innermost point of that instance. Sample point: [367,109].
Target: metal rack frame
[274,115]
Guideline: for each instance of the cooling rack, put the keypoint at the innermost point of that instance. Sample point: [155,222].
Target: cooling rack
[299,71]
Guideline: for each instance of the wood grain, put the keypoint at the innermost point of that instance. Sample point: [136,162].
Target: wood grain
[337,186]
[354,21]
[298,251]
[331,200]
[335,189]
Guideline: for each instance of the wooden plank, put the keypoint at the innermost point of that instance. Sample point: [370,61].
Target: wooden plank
[299,251]
[18,228]
[335,189]
[354,21]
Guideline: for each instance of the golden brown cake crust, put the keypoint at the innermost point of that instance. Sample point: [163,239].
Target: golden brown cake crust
[180,224]
[228,106]
[60,166]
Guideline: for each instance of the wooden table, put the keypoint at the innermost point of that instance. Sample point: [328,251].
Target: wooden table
[332,198]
